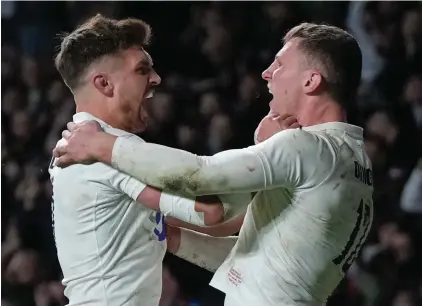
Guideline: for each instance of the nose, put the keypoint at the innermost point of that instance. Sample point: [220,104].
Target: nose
[155,79]
[267,73]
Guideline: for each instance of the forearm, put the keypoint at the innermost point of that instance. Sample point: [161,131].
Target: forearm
[224,229]
[183,172]
[203,250]
[234,207]
[171,205]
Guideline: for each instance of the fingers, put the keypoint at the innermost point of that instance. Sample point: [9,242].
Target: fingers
[66,134]
[289,121]
[59,151]
[71,126]
[272,113]
[63,161]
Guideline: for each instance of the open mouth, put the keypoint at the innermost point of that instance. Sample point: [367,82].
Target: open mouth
[143,110]
[149,93]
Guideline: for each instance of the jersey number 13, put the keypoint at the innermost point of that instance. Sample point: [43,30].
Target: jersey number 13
[357,237]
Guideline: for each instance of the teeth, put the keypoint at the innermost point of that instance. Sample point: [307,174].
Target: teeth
[149,95]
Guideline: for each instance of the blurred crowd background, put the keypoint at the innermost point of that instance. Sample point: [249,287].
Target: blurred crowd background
[210,57]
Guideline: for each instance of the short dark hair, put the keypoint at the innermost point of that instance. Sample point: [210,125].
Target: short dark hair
[97,37]
[336,53]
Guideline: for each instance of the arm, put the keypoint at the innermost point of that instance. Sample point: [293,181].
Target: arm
[227,228]
[201,211]
[273,163]
[202,250]
[186,212]
[287,159]
[235,207]
[171,205]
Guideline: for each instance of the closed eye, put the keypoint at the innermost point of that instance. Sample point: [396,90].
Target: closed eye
[277,61]
[143,70]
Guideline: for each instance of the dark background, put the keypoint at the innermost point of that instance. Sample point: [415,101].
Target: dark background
[210,57]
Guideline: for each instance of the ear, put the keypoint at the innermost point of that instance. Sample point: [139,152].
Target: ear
[312,82]
[103,84]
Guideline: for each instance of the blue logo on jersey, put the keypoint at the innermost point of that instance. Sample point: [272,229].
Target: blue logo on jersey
[159,218]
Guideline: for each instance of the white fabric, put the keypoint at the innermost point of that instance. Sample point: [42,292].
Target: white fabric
[292,235]
[235,204]
[110,248]
[229,301]
[203,250]
[180,208]
[315,188]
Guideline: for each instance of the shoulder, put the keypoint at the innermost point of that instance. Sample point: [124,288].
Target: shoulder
[297,138]
[307,153]
[293,141]
[309,142]
[79,173]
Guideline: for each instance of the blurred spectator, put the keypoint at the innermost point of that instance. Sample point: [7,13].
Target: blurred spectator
[220,134]
[209,105]
[411,199]
[413,97]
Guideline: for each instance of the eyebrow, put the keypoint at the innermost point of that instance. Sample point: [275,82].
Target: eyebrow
[144,62]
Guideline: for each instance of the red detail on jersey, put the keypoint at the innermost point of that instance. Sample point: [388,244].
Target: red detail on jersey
[234,277]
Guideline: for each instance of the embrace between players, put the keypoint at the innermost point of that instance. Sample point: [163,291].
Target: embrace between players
[119,202]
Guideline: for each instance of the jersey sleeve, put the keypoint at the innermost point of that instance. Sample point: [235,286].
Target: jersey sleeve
[122,181]
[127,184]
[279,161]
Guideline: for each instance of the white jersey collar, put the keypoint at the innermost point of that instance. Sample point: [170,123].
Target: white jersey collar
[353,130]
[84,116]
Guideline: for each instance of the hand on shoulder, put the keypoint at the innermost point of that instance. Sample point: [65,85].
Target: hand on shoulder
[272,124]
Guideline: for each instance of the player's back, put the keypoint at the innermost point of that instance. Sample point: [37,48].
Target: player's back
[106,244]
[296,243]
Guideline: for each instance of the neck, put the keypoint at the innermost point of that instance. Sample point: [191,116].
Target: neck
[318,112]
[98,109]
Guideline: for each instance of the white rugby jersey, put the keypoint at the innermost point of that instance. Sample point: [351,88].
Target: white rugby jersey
[109,246]
[312,213]
[297,241]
